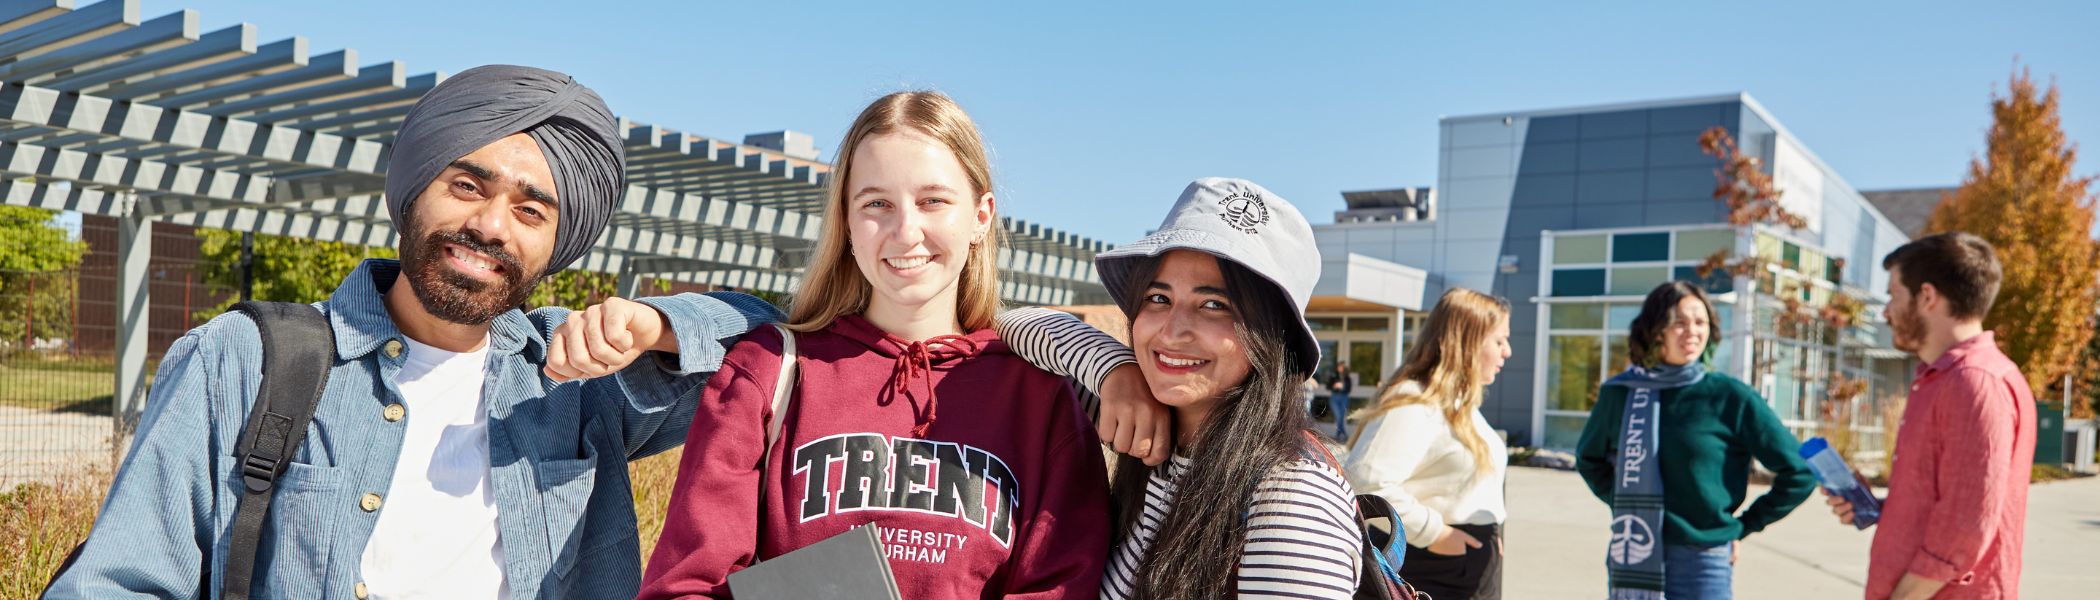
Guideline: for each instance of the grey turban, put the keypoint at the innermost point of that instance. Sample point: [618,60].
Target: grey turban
[481,105]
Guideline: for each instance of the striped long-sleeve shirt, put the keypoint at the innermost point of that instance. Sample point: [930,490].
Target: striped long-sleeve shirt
[1062,344]
[1302,540]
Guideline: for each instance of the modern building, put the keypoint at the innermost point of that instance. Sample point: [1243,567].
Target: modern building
[1574,215]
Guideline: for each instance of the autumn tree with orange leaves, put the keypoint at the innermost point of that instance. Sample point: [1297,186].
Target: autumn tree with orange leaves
[2022,196]
[1743,185]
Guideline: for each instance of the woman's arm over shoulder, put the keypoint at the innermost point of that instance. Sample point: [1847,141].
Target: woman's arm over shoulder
[711,523]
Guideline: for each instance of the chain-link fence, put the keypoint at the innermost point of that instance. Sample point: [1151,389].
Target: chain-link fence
[57,362]
[54,394]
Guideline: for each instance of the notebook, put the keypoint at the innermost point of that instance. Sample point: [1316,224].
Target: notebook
[847,565]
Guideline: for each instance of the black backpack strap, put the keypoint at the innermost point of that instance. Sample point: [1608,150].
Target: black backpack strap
[298,350]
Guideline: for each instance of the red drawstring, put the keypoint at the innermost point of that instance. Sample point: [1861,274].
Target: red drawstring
[916,362]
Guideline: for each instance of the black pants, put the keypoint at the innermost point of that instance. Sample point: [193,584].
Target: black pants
[1476,575]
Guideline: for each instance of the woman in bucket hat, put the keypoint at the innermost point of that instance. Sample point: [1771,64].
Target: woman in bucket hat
[1247,505]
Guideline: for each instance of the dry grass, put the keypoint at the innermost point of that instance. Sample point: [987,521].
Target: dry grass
[39,524]
[652,478]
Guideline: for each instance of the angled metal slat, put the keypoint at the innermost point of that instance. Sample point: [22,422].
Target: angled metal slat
[172,28]
[18,14]
[405,95]
[61,196]
[340,64]
[273,57]
[61,30]
[84,113]
[144,176]
[214,46]
[374,77]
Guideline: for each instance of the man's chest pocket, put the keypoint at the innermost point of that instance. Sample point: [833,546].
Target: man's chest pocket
[298,538]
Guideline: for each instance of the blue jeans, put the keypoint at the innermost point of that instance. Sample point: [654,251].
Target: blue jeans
[1339,403]
[1697,572]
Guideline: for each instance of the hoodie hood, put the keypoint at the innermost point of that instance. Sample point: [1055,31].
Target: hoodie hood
[911,379]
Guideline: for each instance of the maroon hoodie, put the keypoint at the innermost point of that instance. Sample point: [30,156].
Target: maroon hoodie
[979,470]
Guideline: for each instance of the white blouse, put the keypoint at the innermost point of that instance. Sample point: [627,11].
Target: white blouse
[1411,457]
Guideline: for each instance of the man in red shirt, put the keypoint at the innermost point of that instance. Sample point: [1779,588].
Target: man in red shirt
[1954,519]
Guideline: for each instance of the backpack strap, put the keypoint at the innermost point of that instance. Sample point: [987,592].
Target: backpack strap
[1377,578]
[783,390]
[298,348]
[783,394]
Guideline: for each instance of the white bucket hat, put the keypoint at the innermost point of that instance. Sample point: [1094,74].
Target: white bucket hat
[1235,220]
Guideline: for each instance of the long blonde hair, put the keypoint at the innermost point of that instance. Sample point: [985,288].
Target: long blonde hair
[1445,368]
[833,285]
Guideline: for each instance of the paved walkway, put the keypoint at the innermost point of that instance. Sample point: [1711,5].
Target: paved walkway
[1556,537]
[37,445]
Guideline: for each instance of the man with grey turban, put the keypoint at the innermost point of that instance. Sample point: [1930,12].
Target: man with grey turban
[446,457]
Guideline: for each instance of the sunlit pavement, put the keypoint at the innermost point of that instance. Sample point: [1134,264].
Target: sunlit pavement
[1556,536]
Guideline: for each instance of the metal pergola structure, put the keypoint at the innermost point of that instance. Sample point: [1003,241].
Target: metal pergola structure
[151,120]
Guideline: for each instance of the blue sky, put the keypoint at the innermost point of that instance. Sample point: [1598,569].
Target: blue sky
[1098,113]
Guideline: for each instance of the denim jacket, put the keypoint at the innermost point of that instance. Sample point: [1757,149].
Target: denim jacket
[558,455]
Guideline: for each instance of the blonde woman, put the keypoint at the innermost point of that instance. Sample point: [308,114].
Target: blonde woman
[908,412]
[1426,449]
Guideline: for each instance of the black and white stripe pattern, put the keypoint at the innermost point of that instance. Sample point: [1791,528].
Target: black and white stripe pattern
[1062,344]
[1302,540]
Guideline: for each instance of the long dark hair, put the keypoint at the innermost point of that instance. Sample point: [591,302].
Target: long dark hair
[1644,339]
[1257,426]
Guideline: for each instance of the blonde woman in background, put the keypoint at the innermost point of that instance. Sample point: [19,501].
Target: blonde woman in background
[1426,449]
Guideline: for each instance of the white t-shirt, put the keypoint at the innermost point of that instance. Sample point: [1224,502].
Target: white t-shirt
[1411,457]
[436,536]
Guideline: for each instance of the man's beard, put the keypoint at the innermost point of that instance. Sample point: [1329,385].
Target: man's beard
[457,297]
[1907,330]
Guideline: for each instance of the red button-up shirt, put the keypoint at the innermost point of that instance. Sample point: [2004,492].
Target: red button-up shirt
[1957,504]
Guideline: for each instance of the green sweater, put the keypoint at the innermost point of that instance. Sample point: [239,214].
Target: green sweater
[1709,431]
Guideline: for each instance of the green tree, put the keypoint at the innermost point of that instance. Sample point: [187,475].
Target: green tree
[2021,195]
[301,270]
[37,260]
[287,269]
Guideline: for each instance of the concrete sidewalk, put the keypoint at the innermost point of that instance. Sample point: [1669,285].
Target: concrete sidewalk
[1556,537]
[41,445]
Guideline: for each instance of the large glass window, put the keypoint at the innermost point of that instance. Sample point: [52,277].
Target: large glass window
[1370,324]
[1579,249]
[1637,247]
[1717,282]
[1329,349]
[1572,370]
[1617,357]
[1367,360]
[1622,316]
[1698,244]
[1678,252]
[1578,282]
[1577,316]
[1411,326]
[1564,431]
[1637,281]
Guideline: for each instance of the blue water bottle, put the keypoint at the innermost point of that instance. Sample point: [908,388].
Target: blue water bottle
[1831,470]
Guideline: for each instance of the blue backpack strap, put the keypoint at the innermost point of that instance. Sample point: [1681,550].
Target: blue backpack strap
[1379,578]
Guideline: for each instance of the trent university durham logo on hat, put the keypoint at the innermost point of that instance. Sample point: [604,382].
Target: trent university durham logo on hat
[1244,210]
